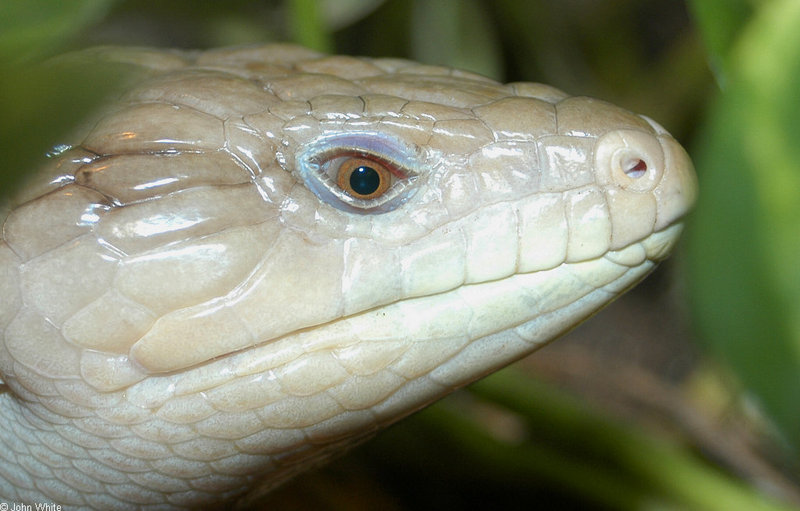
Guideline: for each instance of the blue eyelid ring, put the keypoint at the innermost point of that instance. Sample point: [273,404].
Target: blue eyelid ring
[404,161]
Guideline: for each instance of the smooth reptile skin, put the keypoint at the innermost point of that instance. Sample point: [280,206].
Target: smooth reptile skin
[191,304]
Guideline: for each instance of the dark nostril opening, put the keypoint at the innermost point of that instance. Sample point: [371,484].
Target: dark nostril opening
[635,168]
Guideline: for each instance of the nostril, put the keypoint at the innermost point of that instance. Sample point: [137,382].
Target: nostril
[629,159]
[635,168]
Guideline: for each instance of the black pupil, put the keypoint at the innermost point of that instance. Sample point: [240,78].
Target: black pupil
[364,180]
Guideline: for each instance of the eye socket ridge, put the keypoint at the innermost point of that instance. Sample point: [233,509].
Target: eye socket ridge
[360,172]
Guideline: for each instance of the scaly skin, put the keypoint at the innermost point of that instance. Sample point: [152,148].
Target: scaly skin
[188,308]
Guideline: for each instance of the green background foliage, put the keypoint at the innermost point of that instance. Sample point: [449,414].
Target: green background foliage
[722,75]
[745,241]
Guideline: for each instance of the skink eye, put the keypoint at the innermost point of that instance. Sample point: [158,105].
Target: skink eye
[359,172]
[363,178]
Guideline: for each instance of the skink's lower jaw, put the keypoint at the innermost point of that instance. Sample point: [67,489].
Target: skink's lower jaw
[655,247]
[458,334]
[659,245]
[474,310]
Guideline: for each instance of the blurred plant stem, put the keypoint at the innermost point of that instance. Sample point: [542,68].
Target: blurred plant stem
[563,443]
[306,26]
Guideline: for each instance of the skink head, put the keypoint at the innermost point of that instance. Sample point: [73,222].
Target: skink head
[264,252]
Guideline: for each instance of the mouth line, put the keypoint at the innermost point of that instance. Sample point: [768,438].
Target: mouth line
[655,247]
[651,249]
[471,311]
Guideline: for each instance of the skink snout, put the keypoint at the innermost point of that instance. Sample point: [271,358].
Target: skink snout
[646,173]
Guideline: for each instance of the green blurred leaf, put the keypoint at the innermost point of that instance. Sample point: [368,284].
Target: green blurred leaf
[456,33]
[306,25]
[42,103]
[30,29]
[746,238]
[341,13]
[720,21]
